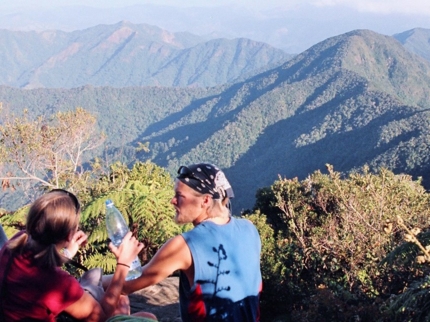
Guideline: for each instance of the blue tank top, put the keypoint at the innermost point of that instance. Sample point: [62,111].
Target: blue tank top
[227,278]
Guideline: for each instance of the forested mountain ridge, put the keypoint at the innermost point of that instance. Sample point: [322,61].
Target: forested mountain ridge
[358,98]
[416,40]
[126,54]
[355,99]
[388,67]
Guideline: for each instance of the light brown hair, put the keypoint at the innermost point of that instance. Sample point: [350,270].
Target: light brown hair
[50,220]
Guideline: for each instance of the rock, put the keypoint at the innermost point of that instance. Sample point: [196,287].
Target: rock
[161,299]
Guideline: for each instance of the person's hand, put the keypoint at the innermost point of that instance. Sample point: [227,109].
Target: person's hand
[79,239]
[128,250]
[122,306]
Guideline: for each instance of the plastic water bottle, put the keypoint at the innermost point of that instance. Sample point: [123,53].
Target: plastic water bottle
[117,228]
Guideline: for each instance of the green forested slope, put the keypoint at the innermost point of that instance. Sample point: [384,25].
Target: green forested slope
[358,98]
[324,106]
[123,113]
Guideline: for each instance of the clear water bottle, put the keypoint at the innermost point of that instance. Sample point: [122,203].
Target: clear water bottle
[117,228]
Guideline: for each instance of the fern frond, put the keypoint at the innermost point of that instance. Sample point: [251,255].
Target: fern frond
[415,301]
[97,207]
[106,261]
[98,234]
[18,217]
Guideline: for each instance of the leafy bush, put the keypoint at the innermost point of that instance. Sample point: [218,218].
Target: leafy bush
[330,235]
[411,259]
[143,195]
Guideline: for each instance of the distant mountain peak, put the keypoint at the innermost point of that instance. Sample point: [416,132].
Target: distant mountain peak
[416,41]
[380,59]
[127,54]
[120,35]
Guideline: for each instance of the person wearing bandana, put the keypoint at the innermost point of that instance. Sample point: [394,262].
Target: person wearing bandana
[218,260]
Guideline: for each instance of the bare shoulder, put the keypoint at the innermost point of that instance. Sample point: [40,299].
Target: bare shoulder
[175,247]
[173,255]
[177,241]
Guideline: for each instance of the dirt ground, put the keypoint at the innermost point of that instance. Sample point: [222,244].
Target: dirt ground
[161,299]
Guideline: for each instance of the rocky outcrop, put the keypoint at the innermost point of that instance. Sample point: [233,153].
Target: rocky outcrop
[161,299]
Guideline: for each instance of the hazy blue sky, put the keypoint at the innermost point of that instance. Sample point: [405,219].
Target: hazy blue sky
[374,6]
[293,25]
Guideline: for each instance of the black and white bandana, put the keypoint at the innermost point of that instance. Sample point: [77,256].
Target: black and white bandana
[206,178]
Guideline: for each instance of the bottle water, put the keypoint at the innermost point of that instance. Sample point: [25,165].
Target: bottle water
[117,228]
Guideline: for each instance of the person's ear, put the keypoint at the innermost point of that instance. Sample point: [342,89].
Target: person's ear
[70,236]
[206,200]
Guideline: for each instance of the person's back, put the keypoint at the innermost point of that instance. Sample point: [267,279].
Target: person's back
[33,292]
[227,278]
[32,284]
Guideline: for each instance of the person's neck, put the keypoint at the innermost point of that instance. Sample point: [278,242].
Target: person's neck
[216,220]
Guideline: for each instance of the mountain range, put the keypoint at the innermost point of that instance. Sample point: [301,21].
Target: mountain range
[292,26]
[126,54]
[360,98]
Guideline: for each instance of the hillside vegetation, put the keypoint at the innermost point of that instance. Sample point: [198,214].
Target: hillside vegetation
[333,249]
[352,249]
[355,99]
[323,106]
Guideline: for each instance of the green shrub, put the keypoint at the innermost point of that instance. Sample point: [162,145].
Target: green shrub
[142,194]
[411,260]
[331,234]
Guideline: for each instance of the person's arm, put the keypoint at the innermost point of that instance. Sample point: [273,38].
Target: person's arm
[173,255]
[87,308]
